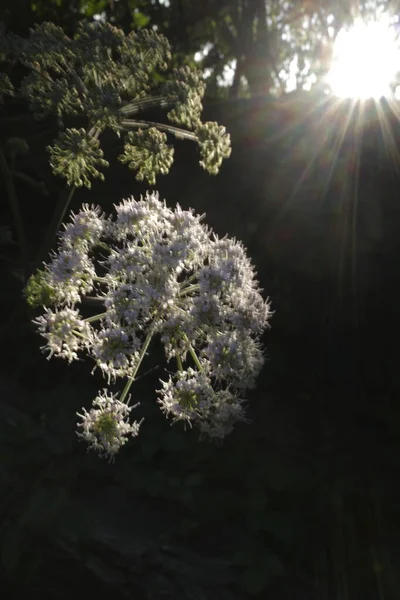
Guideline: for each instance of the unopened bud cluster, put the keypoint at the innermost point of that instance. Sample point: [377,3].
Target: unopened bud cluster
[103,77]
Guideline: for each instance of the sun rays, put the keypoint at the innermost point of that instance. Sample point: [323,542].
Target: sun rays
[366,60]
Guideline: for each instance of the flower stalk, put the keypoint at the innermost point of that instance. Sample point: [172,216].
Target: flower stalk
[95,318]
[14,204]
[142,354]
[55,223]
[178,132]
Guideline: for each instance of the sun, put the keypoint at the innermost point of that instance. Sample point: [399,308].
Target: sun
[366,60]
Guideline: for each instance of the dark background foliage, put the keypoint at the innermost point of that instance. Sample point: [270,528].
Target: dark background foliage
[303,502]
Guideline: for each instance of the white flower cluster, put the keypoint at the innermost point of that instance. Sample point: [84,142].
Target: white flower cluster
[104,427]
[157,271]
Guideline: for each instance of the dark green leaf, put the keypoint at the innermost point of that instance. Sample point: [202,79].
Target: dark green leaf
[153,487]
[174,482]
[133,478]
[149,447]
[43,507]
[194,479]
[271,564]
[187,525]
[104,570]
[174,440]
[273,523]
[254,579]
[257,500]
[278,476]
[16,146]
[184,495]
[243,558]
[94,7]
[13,543]
[139,19]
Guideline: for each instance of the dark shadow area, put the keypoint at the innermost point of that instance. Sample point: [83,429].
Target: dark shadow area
[303,502]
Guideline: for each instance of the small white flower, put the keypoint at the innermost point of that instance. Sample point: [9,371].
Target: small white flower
[71,274]
[226,410]
[249,311]
[129,262]
[186,397]
[189,238]
[115,352]
[229,257]
[124,305]
[65,332]
[145,218]
[178,326]
[106,428]
[234,357]
[208,311]
[85,230]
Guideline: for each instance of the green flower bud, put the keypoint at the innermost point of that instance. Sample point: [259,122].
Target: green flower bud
[147,152]
[76,156]
[187,89]
[215,145]
[38,291]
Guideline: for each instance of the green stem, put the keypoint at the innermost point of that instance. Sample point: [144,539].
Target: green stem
[79,334]
[93,301]
[189,289]
[77,80]
[179,133]
[192,352]
[29,180]
[44,75]
[137,105]
[104,246]
[143,351]
[95,318]
[58,216]
[195,358]
[188,280]
[178,357]
[12,196]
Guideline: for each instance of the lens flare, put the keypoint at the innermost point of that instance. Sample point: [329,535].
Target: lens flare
[366,60]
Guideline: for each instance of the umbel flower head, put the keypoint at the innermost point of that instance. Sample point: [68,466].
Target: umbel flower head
[154,271]
[147,152]
[105,78]
[76,157]
[105,426]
